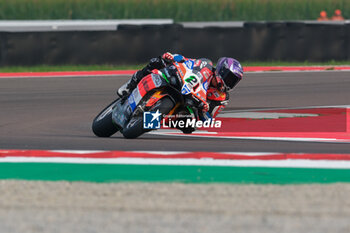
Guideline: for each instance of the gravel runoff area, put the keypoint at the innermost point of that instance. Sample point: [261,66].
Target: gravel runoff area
[33,206]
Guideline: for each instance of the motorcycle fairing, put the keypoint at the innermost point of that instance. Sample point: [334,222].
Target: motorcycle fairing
[191,80]
[154,98]
[147,84]
[122,112]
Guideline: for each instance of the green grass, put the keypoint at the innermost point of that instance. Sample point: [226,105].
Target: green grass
[170,173]
[44,68]
[179,10]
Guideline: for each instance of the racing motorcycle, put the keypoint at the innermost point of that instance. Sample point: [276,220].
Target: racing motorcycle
[176,90]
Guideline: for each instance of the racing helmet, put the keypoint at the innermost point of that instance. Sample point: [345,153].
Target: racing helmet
[228,72]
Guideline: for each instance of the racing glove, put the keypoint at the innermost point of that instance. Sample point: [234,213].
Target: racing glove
[169,57]
[204,107]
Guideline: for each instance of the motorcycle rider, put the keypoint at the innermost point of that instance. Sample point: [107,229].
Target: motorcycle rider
[221,79]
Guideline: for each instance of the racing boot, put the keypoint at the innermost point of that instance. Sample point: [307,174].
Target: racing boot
[125,90]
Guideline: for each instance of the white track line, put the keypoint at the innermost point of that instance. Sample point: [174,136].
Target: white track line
[302,163]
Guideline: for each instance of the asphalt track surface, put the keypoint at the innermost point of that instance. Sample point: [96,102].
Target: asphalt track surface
[57,112]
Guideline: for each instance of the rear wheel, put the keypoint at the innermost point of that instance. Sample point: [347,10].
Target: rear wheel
[103,125]
[135,128]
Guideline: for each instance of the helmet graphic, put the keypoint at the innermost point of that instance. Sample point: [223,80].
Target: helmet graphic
[230,71]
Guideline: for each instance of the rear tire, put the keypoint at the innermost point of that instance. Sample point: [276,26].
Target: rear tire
[103,125]
[136,129]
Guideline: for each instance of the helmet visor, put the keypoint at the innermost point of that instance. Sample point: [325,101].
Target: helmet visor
[229,78]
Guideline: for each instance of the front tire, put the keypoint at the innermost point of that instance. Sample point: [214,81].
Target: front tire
[103,125]
[135,128]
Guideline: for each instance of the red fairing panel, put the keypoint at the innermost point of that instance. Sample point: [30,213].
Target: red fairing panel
[145,85]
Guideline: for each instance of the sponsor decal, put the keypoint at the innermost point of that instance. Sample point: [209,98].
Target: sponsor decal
[151,120]
[192,80]
[179,69]
[206,73]
[137,95]
[216,94]
[157,80]
[189,64]
[205,85]
[132,102]
[185,89]
[203,64]
[134,99]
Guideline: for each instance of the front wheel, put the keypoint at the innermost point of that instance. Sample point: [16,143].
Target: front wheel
[135,128]
[103,125]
